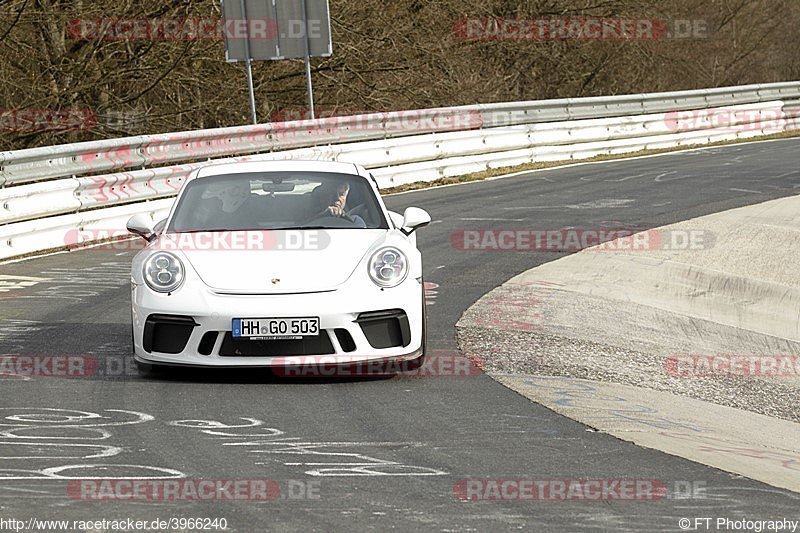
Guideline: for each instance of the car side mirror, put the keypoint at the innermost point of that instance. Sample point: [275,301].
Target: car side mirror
[414,218]
[142,225]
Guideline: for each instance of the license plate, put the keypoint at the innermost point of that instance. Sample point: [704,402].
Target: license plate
[275,328]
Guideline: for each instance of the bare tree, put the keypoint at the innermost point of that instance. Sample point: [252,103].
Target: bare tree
[387,55]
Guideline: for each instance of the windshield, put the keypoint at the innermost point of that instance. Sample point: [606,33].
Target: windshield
[277,200]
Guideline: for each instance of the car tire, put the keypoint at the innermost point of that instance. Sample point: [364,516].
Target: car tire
[415,364]
[145,369]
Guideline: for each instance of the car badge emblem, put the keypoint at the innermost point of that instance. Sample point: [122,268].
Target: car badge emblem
[275,281]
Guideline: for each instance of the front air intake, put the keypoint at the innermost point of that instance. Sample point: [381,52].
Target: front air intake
[385,329]
[345,340]
[207,343]
[167,333]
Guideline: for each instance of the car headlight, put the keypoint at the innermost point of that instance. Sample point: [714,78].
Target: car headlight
[163,272]
[388,267]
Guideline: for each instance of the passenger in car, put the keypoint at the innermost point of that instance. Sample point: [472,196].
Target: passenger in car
[231,195]
[228,205]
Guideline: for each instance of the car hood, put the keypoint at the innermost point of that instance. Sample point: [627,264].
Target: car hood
[289,262]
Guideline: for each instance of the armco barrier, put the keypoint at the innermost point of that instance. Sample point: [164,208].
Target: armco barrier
[23,166]
[54,232]
[99,156]
[39,201]
[394,160]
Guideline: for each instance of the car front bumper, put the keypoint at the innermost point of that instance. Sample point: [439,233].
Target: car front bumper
[201,315]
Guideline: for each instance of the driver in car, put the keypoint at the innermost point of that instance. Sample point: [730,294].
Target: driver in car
[334,198]
[331,200]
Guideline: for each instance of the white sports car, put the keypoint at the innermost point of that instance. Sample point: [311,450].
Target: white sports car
[264,262]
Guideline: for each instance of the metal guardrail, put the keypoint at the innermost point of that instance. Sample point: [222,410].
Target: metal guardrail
[53,188]
[34,164]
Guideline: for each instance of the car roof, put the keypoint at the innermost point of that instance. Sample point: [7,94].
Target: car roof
[281,166]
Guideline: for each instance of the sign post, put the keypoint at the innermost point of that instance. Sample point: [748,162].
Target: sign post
[273,30]
[248,67]
[309,88]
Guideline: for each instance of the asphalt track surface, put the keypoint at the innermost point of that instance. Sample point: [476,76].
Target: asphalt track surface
[375,454]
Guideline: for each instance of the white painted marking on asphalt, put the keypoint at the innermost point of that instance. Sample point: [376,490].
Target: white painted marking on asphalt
[269,432]
[11,376]
[328,443]
[495,219]
[594,204]
[375,470]
[342,463]
[791,172]
[745,190]
[357,465]
[17,489]
[88,283]
[10,282]
[736,160]
[261,442]
[103,451]
[213,424]
[30,448]
[15,433]
[67,420]
[660,177]
[169,473]
[626,178]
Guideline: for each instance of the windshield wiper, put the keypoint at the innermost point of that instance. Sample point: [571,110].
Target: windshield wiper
[299,227]
[215,230]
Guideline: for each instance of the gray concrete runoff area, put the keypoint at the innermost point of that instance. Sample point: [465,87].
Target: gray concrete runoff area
[694,351]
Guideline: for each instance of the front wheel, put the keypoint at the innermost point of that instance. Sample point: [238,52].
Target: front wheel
[147,370]
[415,364]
